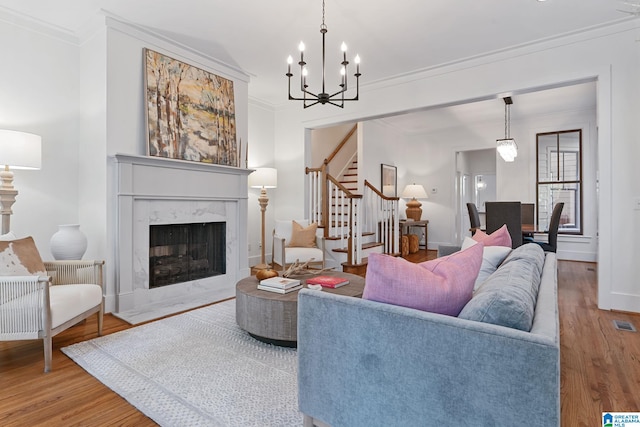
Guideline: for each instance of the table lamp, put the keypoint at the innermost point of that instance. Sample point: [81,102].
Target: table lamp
[263,178]
[414,192]
[18,150]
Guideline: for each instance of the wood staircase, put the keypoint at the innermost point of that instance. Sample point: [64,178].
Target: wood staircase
[354,225]
[349,179]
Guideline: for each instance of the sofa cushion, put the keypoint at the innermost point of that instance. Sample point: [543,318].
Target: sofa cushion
[492,257]
[443,285]
[303,237]
[508,297]
[20,258]
[500,237]
[282,228]
[69,301]
[529,251]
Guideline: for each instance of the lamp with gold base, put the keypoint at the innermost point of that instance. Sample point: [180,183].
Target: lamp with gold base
[263,178]
[414,192]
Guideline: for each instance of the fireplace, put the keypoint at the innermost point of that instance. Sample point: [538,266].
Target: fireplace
[183,252]
[200,212]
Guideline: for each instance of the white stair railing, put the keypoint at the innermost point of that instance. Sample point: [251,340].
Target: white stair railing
[346,216]
[343,213]
[381,218]
[316,182]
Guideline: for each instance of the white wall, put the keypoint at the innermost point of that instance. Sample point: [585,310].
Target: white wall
[92,146]
[39,83]
[380,144]
[323,143]
[261,154]
[609,54]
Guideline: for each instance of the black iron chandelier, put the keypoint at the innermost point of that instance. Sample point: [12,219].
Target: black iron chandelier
[338,98]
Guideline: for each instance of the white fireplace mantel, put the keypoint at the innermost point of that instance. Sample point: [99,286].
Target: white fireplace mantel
[152,190]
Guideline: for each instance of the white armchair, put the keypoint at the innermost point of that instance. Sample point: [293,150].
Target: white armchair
[40,307]
[285,255]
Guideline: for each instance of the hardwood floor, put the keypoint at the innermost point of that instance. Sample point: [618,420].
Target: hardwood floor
[600,366]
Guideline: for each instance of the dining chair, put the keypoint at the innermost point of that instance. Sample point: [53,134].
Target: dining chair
[528,213]
[474,217]
[551,245]
[509,213]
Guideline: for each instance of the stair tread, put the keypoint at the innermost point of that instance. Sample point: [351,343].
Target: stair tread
[364,233]
[364,246]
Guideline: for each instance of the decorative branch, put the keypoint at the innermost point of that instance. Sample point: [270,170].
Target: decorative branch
[297,269]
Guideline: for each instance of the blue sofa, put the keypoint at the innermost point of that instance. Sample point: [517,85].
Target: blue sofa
[365,363]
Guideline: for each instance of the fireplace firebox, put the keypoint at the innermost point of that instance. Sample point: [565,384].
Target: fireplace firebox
[184,252]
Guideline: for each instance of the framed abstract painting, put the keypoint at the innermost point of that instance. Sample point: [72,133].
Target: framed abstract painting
[190,112]
[389,180]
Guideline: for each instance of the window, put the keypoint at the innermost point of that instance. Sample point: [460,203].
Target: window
[559,179]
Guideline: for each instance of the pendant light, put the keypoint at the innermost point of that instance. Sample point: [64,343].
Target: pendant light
[507,147]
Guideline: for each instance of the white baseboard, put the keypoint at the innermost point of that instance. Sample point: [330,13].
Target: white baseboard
[625,302]
[255,260]
[577,256]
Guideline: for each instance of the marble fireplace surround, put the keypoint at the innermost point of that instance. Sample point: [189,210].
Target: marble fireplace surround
[153,191]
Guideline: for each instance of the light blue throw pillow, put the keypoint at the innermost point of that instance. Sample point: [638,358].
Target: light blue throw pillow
[508,297]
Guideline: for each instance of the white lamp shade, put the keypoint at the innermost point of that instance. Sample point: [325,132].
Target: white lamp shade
[264,178]
[507,149]
[20,150]
[414,191]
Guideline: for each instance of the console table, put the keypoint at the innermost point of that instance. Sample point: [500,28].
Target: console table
[404,224]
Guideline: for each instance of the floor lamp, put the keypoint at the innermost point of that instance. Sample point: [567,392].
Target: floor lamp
[18,150]
[263,178]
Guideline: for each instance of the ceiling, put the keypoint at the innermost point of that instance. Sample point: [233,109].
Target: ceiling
[408,36]
[392,38]
[576,97]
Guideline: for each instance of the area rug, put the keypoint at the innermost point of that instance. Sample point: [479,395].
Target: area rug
[197,369]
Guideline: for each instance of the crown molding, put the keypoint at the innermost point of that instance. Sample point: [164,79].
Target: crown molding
[13,17]
[143,33]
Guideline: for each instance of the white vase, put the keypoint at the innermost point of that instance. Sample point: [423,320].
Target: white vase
[68,242]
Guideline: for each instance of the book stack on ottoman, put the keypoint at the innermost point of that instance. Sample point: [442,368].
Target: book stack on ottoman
[281,285]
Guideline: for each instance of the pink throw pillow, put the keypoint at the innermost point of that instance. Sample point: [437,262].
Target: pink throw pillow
[443,285]
[500,237]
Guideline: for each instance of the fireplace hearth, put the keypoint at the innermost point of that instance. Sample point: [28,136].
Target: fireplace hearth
[184,252]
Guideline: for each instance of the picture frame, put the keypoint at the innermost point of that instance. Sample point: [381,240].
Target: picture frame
[389,180]
[190,112]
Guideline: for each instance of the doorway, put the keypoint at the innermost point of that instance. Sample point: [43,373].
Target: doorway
[476,183]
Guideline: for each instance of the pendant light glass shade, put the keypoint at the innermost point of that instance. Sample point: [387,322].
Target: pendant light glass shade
[507,147]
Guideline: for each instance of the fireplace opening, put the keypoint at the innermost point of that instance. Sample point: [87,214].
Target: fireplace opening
[183,252]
